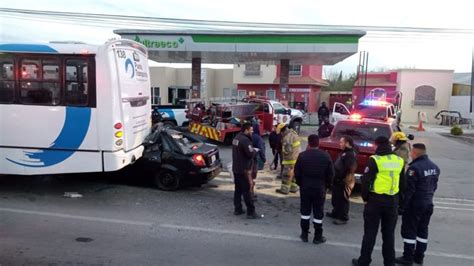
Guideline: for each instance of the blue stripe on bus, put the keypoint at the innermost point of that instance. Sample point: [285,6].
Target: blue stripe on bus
[17,47]
[73,133]
[167,111]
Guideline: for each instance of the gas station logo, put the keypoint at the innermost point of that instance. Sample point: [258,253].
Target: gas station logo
[161,44]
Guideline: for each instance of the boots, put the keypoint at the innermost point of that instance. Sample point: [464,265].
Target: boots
[319,240]
[304,237]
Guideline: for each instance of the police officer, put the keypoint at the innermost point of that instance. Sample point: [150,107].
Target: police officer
[421,183]
[381,183]
[290,150]
[243,155]
[313,171]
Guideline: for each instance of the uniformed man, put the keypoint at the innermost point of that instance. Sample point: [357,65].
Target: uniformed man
[290,150]
[344,181]
[421,183]
[313,172]
[243,155]
[381,183]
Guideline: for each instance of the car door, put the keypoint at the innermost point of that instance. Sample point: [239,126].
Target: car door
[339,112]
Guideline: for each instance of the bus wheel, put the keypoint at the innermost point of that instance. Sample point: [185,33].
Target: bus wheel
[167,180]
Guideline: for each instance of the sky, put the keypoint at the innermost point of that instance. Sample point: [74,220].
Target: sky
[387,50]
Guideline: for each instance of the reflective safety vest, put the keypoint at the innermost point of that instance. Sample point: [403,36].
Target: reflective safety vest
[388,176]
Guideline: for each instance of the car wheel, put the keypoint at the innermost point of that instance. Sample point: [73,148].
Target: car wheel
[297,126]
[168,124]
[167,180]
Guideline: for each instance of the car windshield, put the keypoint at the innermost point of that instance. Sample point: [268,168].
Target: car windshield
[362,131]
[185,143]
[372,111]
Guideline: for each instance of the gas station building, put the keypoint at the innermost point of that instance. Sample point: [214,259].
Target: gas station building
[281,65]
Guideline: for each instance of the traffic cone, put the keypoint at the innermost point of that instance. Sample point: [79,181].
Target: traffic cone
[420,126]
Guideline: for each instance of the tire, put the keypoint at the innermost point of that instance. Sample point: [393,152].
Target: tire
[296,125]
[167,180]
[168,124]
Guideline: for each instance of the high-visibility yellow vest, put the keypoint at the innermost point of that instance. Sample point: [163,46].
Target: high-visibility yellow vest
[388,176]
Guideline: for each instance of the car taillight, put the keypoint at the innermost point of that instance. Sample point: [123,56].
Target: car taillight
[198,160]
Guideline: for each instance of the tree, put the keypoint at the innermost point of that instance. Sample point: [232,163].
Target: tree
[338,82]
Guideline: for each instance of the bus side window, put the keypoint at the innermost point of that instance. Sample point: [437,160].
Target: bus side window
[7,81]
[76,82]
[35,87]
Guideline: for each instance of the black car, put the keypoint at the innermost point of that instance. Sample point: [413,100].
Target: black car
[177,158]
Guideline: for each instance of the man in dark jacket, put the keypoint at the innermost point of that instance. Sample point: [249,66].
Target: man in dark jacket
[381,184]
[325,129]
[275,145]
[259,159]
[421,183]
[243,155]
[323,112]
[313,172]
[344,181]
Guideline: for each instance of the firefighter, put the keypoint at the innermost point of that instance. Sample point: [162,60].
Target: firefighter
[401,146]
[243,155]
[421,183]
[344,181]
[290,150]
[313,172]
[381,183]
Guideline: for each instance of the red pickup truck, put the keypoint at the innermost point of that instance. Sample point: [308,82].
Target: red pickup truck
[364,132]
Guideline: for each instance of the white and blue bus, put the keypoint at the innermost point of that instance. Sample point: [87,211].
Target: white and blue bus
[72,107]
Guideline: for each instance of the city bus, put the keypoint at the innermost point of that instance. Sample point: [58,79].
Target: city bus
[72,107]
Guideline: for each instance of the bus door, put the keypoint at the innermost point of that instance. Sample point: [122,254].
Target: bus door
[134,93]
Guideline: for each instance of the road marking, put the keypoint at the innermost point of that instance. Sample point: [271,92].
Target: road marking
[77,217]
[454,203]
[211,230]
[455,199]
[290,238]
[454,209]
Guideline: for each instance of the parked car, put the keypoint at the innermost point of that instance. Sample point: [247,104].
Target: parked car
[364,132]
[175,158]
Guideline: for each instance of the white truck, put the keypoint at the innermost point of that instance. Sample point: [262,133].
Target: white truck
[170,115]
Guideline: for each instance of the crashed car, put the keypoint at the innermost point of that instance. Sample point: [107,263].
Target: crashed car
[175,159]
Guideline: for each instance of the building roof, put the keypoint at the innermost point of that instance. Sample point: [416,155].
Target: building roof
[380,82]
[305,80]
[462,78]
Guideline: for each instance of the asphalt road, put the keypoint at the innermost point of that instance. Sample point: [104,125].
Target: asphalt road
[122,220]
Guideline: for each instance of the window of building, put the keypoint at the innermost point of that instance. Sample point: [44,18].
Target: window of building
[241,94]
[177,95]
[76,82]
[252,70]
[155,95]
[7,81]
[295,70]
[271,94]
[39,82]
[425,96]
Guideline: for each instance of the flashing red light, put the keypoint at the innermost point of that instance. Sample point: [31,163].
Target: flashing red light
[355,116]
[198,160]
[118,126]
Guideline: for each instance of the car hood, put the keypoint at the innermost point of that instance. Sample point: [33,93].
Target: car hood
[296,112]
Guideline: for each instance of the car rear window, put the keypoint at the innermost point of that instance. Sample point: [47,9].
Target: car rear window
[372,111]
[185,143]
[362,131]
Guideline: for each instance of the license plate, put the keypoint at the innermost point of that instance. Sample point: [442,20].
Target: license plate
[213,158]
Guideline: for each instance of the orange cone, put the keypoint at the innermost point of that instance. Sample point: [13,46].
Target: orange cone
[420,126]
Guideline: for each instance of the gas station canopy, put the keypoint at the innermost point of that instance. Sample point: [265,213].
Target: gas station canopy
[237,46]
